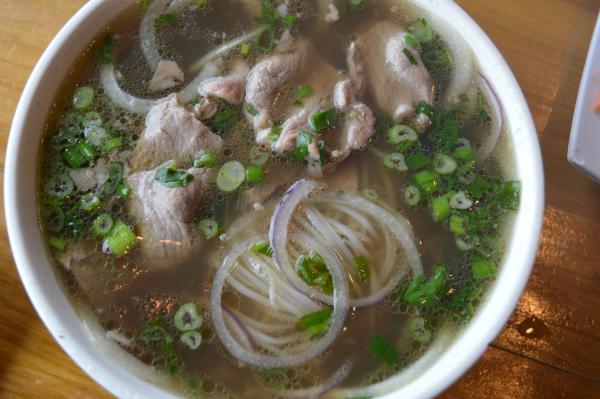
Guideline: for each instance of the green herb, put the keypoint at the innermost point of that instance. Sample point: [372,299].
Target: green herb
[254,174]
[409,56]
[231,176]
[167,19]
[457,225]
[105,52]
[483,268]
[78,155]
[481,116]
[209,228]
[115,176]
[322,120]
[170,177]
[427,293]
[315,323]
[56,243]
[303,140]
[262,248]
[362,267]
[464,153]
[120,239]
[478,187]
[383,349]
[225,119]
[509,196]
[206,160]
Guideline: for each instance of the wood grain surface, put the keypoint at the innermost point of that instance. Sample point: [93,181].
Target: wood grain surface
[551,345]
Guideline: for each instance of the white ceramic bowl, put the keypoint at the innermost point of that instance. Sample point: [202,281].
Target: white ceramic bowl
[82,338]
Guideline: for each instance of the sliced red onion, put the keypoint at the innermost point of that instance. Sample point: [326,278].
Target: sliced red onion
[320,390]
[121,98]
[497,123]
[316,347]
[241,326]
[279,237]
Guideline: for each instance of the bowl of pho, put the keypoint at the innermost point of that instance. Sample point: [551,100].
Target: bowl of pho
[291,199]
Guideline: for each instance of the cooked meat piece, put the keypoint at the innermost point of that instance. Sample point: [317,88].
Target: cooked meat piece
[166,76]
[164,216]
[172,132]
[356,69]
[86,179]
[395,83]
[206,109]
[267,78]
[229,88]
[344,95]
[290,128]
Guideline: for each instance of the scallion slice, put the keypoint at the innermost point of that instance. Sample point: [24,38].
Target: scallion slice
[187,317]
[421,30]
[460,201]
[383,349]
[231,176]
[171,177]
[412,195]
[444,164]
[57,243]
[78,154]
[262,247]
[102,225]
[395,160]
[399,133]
[120,239]
[191,339]
[90,202]
[208,227]
[83,98]
[315,323]
[427,181]
[322,120]
[259,156]
[254,174]
[59,186]
[418,330]
[206,160]
[440,208]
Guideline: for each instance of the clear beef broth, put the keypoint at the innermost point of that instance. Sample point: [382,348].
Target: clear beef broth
[129,294]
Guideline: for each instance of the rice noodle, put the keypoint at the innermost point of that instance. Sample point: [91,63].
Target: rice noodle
[279,353]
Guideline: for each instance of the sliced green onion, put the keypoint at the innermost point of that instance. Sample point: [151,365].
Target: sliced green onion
[411,40]
[427,181]
[92,118]
[206,160]
[95,135]
[120,239]
[302,142]
[170,177]
[154,333]
[254,174]
[262,247]
[259,156]
[303,91]
[383,349]
[437,57]
[464,153]
[90,202]
[412,195]
[464,243]
[208,227]
[399,133]
[187,317]
[289,19]
[115,175]
[457,225]
[191,339]
[78,155]
[225,119]
[322,120]
[102,225]
[250,109]
[460,201]
[411,58]
[478,187]
[395,160]
[194,383]
[83,98]
[113,143]
[423,107]
[421,30]
[56,243]
[122,191]
[105,52]
[371,194]
[59,186]
[231,176]
[167,19]
[463,142]
[483,268]
[443,164]
[245,49]
[315,323]
[417,161]
[362,267]
[509,195]
[54,218]
[440,208]
[418,330]
[275,132]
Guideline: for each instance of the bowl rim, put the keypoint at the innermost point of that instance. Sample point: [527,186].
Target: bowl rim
[466,349]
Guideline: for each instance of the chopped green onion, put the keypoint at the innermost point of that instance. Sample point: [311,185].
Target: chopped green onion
[436,57]
[460,201]
[259,156]
[206,160]
[113,143]
[303,91]
[424,292]
[83,98]
[457,225]
[395,160]
[322,120]
[289,19]
[417,161]
[483,268]
[509,195]
[411,58]
[443,164]
[250,109]
[102,225]
[56,243]
[194,383]
[411,40]
[464,153]
[266,41]
[421,30]
[423,107]
[302,142]
[262,247]
[78,155]
[231,176]
[170,177]
[412,195]
[122,191]
[208,227]
[463,243]
[59,186]
[371,194]
[95,135]
[115,175]
[275,132]
[254,174]
[245,49]
[120,239]
[89,202]
[315,323]
[478,187]
[154,333]
[191,339]
[225,119]
[313,271]
[167,19]
[418,330]
[105,52]
[187,317]
[440,208]
[427,181]
[382,349]
[399,133]
[275,379]
[362,267]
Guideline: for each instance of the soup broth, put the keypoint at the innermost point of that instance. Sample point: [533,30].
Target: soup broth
[276,199]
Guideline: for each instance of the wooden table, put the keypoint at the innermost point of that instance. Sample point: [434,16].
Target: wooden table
[551,345]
